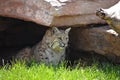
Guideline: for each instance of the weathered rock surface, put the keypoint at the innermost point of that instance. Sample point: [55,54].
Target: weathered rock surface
[98,40]
[46,12]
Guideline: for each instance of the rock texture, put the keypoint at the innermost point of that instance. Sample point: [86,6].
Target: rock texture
[98,40]
[46,12]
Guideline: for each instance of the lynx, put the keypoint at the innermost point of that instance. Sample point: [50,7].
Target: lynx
[51,50]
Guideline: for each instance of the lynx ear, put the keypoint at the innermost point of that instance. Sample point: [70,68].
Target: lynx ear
[67,30]
[55,30]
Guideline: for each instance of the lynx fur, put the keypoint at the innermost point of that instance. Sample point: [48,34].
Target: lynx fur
[51,50]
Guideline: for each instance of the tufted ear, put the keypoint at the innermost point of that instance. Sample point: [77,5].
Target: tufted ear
[55,30]
[67,30]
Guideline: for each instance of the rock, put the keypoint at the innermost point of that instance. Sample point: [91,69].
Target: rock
[55,12]
[98,40]
[111,16]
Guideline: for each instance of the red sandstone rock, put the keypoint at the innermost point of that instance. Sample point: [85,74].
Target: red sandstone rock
[46,12]
[97,39]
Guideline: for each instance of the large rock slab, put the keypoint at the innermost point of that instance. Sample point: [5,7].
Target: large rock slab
[55,12]
[97,39]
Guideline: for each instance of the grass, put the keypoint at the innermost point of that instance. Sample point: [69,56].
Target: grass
[19,71]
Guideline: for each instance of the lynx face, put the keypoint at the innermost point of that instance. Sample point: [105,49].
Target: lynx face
[58,40]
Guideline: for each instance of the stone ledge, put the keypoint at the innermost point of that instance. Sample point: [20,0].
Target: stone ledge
[74,12]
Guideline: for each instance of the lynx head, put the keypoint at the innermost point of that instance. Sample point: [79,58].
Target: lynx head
[56,39]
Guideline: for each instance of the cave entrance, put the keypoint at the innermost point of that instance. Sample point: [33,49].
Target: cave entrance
[16,34]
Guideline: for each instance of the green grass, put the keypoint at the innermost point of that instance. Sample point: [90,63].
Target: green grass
[19,71]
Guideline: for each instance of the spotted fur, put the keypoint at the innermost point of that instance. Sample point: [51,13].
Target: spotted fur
[51,50]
